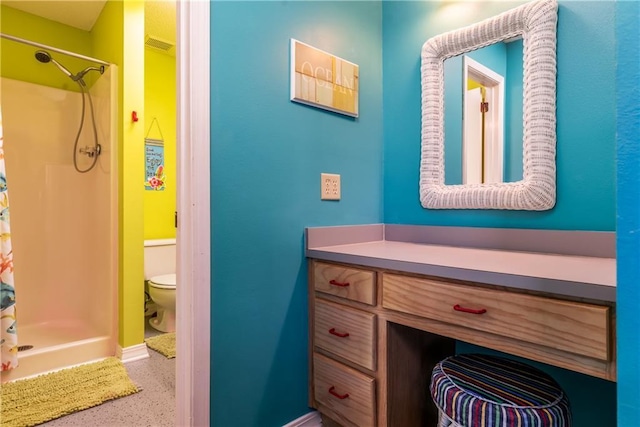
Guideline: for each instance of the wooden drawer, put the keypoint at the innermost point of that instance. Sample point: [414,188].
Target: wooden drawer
[346,332]
[575,327]
[354,397]
[350,283]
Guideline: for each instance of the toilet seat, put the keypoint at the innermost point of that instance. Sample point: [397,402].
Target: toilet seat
[164,281]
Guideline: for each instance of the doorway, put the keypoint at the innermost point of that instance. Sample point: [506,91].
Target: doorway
[483,124]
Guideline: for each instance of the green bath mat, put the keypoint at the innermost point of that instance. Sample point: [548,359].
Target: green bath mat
[164,344]
[33,401]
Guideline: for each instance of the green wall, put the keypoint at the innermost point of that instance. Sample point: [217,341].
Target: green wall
[18,59]
[160,103]
[118,37]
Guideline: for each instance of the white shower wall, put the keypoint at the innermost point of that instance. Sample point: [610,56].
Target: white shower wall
[63,222]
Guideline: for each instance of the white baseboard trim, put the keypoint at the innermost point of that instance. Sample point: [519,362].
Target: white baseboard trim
[132,353]
[312,419]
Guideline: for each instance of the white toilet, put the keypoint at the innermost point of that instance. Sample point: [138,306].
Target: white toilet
[160,274]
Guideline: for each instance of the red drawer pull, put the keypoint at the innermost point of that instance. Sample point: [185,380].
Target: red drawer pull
[458,307]
[332,331]
[333,391]
[336,283]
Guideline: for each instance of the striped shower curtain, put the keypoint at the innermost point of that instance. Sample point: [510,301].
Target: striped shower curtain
[8,335]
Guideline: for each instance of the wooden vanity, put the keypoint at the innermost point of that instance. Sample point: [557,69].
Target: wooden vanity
[376,332]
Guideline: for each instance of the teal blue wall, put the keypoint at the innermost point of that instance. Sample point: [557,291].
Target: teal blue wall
[453,96]
[261,141]
[513,114]
[628,169]
[585,115]
[586,129]
[267,154]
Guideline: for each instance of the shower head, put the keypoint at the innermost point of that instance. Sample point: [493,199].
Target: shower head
[86,70]
[45,57]
[78,77]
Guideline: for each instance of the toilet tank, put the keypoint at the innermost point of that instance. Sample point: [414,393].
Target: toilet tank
[159,257]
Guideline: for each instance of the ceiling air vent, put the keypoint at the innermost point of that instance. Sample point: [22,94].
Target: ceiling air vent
[158,44]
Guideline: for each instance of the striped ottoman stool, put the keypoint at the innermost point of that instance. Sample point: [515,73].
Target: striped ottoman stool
[477,390]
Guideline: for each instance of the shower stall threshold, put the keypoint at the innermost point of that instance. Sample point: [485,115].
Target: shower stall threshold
[57,345]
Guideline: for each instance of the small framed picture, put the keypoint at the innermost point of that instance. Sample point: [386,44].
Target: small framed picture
[323,80]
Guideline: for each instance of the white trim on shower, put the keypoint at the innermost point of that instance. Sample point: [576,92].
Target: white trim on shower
[112,72]
[193,297]
[53,49]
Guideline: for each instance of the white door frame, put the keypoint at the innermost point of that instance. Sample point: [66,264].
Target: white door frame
[494,83]
[193,237]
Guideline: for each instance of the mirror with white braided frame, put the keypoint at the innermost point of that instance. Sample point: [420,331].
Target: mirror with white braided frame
[535,23]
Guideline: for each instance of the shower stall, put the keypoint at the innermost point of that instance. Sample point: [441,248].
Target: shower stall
[60,155]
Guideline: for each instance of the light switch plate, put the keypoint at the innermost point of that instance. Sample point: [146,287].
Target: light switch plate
[329,186]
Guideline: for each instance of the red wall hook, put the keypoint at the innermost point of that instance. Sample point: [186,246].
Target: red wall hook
[134,116]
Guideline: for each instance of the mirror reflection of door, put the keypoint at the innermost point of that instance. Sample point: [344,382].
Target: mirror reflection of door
[483,124]
[506,59]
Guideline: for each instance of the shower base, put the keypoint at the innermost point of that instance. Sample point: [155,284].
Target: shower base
[57,345]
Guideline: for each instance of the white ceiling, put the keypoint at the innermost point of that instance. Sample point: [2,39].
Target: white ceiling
[159,16]
[81,14]
[160,20]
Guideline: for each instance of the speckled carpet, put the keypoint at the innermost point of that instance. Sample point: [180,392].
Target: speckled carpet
[33,401]
[164,344]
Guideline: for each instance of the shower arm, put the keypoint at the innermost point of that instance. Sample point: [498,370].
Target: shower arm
[53,49]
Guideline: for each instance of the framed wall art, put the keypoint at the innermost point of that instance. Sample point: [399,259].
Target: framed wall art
[323,80]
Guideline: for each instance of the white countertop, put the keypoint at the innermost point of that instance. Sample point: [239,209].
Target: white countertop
[578,276]
[600,271]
